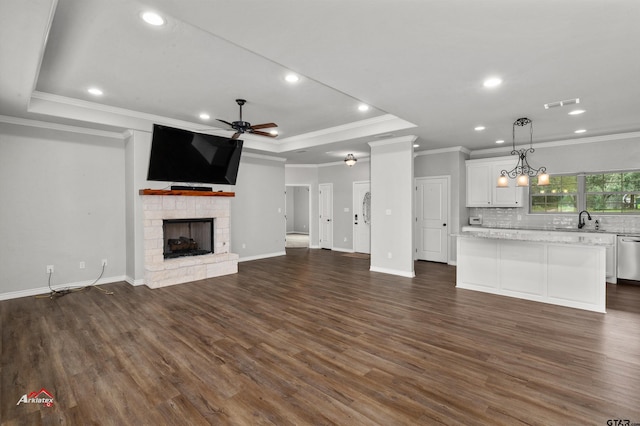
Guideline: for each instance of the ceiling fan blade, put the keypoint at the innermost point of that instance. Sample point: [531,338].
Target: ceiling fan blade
[258,132]
[264,126]
[225,122]
[235,135]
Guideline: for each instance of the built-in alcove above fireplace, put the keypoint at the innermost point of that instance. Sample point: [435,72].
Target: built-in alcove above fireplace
[196,219]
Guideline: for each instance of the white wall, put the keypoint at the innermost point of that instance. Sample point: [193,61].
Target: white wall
[258,209]
[342,178]
[62,204]
[448,163]
[70,195]
[392,206]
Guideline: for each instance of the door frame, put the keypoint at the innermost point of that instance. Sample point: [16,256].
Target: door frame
[415,214]
[354,206]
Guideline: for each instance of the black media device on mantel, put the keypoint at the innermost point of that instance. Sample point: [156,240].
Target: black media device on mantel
[183,156]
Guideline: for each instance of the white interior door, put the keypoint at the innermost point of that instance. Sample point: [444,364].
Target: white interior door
[326,215]
[362,217]
[432,217]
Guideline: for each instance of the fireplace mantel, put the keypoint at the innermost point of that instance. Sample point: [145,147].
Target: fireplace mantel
[186,193]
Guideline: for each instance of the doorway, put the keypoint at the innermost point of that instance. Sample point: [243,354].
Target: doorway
[362,217]
[432,218]
[297,216]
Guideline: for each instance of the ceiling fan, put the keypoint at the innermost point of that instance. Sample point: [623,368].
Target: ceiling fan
[245,127]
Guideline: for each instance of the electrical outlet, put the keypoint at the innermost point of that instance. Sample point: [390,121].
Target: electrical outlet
[104,262]
[390,255]
[82,265]
[49,269]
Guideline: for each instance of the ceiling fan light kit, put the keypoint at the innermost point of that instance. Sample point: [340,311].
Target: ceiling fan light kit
[241,126]
[523,171]
[350,160]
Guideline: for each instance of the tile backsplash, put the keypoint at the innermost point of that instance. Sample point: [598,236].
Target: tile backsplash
[519,218]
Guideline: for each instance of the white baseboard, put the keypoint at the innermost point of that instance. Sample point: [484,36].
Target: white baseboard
[262,256]
[134,282]
[343,250]
[45,290]
[406,274]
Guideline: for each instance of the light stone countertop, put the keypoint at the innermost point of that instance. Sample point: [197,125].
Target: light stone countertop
[586,239]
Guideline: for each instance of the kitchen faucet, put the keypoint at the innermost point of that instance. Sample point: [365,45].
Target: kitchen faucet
[581,220]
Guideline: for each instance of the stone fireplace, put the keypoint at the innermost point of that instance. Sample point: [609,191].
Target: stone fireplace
[200,219]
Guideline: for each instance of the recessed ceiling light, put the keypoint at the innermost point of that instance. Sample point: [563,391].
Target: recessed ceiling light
[273,132]
[94,91]
[415,145]
[492,82]
[479,128]
[363,107]
[580,131]
[577,112]
[500,141]
[204,116]
[292,78]
[152,18]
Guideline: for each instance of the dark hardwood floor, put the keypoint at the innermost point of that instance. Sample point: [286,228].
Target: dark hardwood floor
[314,338]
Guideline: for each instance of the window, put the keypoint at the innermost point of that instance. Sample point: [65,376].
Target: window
[613,192]
[608,193]
[560,196]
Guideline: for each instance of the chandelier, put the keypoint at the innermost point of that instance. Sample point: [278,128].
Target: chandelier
[523,171]
[350,160]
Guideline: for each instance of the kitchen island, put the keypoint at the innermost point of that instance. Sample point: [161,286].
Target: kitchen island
[567,270]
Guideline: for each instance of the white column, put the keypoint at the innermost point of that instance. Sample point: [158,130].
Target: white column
[392,206]
[137,149]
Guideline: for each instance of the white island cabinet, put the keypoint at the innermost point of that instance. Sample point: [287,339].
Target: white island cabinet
[561,270]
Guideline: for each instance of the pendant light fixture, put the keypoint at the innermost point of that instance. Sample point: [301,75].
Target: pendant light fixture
[350,160]
[523,171]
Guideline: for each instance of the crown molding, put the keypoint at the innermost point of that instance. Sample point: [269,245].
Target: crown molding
[566,142]
[443,150]
[62,127]
[263,157]
[392,141]
[344,127]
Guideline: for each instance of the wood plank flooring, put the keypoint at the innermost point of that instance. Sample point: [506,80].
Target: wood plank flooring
[314,338]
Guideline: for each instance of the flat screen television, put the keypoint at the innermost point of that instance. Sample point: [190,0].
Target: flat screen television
[182,156]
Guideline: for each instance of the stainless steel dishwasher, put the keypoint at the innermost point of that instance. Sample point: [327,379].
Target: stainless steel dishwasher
[629,257]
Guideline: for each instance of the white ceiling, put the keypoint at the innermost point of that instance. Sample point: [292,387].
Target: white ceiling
[419,64]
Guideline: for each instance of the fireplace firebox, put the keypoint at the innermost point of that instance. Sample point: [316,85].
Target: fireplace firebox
[187,237]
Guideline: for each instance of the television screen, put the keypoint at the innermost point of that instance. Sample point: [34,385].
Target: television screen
[182,156]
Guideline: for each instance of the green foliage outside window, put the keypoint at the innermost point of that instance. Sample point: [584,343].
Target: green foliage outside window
[560,196]
[613,192]
[609,193]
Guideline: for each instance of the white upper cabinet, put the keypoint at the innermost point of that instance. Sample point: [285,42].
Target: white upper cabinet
[482,184]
